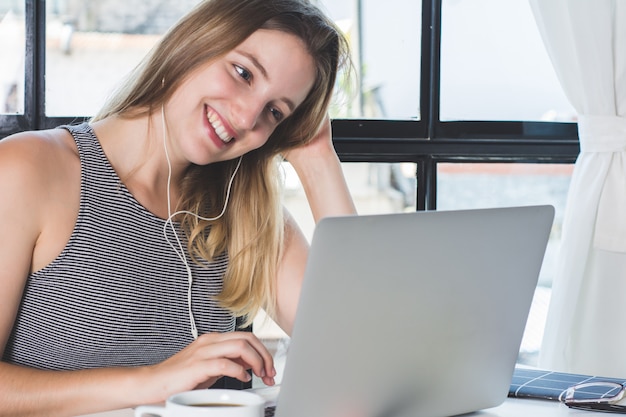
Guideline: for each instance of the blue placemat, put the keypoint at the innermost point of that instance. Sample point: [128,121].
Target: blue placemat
[548,385]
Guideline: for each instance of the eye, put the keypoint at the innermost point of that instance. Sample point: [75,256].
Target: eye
[276,114]
[243,73]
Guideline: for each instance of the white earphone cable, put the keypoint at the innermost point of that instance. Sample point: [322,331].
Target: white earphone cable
[170,216]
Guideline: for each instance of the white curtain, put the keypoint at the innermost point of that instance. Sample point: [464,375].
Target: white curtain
[586,41]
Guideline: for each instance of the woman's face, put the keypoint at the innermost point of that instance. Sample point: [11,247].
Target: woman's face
[232,105]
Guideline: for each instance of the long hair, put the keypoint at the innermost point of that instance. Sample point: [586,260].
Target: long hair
[252,228]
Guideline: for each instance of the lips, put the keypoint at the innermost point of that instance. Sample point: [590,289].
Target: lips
[218,126]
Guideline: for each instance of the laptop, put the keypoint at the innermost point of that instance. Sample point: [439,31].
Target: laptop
[413,314]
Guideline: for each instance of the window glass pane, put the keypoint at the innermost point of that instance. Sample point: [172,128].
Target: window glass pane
[12,47]
[91,45]
[375,187]
[494,65]
[468,186]
[389,57]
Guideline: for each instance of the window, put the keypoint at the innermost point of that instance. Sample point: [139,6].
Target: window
[12,47]
[494,65]
[91,46]
[387,61]
[483,185]
[451,94]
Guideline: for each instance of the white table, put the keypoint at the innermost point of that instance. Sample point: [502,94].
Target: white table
[512,407]
[516,407]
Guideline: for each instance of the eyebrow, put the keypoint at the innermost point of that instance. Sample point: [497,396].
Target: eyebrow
[262,70]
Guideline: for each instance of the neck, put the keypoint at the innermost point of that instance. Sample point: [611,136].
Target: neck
[135,149]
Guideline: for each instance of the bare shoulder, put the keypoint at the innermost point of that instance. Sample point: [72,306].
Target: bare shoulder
[40,188]
[34,159]
[38,143]
[37,171]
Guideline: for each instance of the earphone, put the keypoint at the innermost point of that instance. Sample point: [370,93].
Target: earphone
[170,215]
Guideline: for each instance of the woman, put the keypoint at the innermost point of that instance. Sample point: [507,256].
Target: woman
[130,244]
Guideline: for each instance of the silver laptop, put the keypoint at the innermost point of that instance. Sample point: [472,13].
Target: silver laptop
[413,314]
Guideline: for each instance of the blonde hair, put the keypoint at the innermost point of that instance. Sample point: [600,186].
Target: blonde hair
[252,228]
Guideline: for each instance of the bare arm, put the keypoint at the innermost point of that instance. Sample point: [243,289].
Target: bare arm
[34,172]
[29,392]
[320,172]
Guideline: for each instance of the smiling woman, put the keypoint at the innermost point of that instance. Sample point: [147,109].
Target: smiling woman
[159,222]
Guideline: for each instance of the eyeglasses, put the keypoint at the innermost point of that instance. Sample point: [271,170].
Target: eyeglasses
[597,395]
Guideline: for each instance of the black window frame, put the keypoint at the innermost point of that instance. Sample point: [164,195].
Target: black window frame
[426,142]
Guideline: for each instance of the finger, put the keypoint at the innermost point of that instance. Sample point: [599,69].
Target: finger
[247,352]
[267,360]
[227,367]
[268,381]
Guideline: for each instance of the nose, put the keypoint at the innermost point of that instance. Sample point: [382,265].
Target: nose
[247,112]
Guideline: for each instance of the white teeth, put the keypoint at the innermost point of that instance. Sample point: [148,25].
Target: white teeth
[218,127]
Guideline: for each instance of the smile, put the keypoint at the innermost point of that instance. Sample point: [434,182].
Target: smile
[217,125]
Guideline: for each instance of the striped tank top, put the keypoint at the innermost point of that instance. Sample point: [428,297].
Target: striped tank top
[117,293]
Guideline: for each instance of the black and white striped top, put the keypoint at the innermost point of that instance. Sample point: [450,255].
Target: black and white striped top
[117,294]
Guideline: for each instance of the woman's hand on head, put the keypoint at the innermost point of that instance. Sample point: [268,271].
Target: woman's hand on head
[212,356]
[321,175]
[320,145]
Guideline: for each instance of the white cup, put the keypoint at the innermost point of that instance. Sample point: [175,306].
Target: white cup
[208,403]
